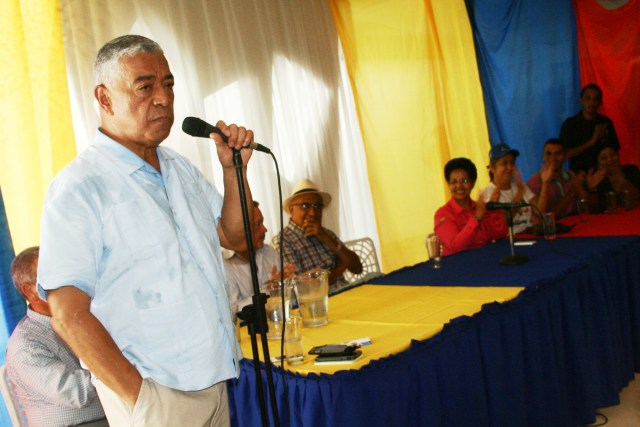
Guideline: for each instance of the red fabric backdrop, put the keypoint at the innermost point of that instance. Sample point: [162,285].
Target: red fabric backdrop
[609,55]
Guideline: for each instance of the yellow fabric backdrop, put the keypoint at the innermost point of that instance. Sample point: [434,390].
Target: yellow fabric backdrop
[414,75]
[417,90]
[36,134]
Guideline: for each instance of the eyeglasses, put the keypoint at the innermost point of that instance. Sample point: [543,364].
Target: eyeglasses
[306,206]
[464,181]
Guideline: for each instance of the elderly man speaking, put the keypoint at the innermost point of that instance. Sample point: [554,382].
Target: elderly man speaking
[130,256]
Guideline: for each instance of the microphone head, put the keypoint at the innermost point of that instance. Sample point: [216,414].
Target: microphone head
[197,127]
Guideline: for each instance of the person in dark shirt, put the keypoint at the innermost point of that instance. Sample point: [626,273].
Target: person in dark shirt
[612,176]
[584,134]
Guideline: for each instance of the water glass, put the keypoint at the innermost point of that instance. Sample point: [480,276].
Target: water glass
[435,250]
[549,225]
[293,351]
[583,209]
[273,307]
[612,202]
[625,199]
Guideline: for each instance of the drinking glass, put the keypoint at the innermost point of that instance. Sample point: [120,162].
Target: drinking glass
[273,307]
[293,350]
[435,250]
[625,199]
[583,209]
[612,202]
[549,225]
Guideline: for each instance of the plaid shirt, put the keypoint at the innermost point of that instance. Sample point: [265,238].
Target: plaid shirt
[47,378]
[307,253]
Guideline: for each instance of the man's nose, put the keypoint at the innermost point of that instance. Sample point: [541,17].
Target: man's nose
[163,96]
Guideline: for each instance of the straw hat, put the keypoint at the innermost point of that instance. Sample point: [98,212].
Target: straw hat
[304,186]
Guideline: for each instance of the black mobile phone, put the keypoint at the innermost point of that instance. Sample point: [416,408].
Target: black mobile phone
[337,358]
[333,349]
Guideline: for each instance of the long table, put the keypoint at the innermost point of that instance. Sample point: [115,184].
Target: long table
[562,348]
[418,313]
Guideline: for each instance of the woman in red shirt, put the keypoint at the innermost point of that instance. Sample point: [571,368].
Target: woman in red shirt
[462,223]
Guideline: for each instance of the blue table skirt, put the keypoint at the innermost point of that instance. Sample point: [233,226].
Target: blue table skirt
[563,348]
[548,260]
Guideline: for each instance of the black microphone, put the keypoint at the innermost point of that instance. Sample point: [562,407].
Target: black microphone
[497,205]
[199,128]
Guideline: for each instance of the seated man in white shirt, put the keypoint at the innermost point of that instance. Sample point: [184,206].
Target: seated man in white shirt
[238,270]
[45,375]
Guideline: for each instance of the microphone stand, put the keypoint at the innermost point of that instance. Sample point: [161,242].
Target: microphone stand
[255,314]
[512,259]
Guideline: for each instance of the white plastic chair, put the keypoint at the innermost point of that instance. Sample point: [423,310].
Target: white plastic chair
[366,250]
[15,411]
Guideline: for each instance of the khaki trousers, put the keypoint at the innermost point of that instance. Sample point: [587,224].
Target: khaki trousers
[160,406]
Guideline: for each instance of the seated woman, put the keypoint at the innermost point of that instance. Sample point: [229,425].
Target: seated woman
[505,177]
[611,175]
[462,223]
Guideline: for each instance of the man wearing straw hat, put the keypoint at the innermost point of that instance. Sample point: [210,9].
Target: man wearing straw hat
[306,243]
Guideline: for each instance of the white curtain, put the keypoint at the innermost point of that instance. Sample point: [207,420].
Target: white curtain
[273,65]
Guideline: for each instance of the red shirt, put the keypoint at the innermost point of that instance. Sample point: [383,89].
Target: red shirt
[458,229]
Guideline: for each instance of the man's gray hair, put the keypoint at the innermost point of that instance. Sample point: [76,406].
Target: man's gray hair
[24,268]
[106,68]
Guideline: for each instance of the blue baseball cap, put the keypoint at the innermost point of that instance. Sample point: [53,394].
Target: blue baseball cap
[501,150]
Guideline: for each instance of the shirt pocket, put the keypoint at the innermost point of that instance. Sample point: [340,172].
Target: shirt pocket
[138,231]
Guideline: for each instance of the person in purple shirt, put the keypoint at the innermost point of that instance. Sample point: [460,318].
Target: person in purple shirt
[561,188]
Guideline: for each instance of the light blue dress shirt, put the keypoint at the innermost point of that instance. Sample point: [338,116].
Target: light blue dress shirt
[145,248]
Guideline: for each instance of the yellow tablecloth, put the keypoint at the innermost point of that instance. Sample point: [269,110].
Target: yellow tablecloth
[391,316]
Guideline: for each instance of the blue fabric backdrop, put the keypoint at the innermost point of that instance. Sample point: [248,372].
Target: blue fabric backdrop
[528,62]
[13,306]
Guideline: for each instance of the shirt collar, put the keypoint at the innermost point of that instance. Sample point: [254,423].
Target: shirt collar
[564,176]
[457,208]
[37,317]
[296,228]
[131,161]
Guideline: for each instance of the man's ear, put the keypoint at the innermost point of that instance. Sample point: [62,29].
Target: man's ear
[29,291]
[103,96]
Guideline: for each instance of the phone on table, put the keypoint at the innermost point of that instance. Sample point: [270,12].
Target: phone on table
[333,350]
